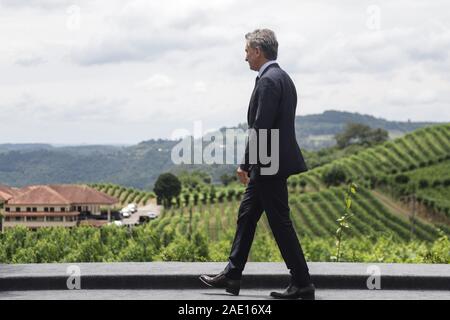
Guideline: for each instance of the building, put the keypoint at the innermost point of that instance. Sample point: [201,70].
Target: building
[6,193]
[52,205]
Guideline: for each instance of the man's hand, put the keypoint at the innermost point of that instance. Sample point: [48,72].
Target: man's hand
[243,176]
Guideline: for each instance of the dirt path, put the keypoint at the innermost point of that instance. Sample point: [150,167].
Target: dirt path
[390,203]
[395,207]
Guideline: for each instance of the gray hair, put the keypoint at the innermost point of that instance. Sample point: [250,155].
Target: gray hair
[264,39]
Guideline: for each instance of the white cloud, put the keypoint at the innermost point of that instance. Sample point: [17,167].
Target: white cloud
[45,110]
[144,30]
[30,4]
[29,60]
[200,87]
[139,69]
[157,81]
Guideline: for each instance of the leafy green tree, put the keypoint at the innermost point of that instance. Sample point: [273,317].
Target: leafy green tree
[357,133]
[374,137]
[167,186]
[194,179]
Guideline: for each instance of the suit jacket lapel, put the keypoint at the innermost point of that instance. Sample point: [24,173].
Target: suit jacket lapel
[251,103]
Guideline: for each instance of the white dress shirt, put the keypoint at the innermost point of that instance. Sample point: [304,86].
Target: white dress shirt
[264,67]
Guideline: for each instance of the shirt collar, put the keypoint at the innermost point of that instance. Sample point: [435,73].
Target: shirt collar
[264,67]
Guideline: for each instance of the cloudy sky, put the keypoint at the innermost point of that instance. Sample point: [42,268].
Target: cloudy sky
[125,71]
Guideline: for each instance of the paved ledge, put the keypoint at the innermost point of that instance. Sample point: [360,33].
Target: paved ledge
[217,294]
[183,275]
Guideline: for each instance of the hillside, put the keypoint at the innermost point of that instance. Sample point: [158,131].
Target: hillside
[314,215]
[421,148]
[200,224]
[139,165]
[412,171]
[423,155]
[316,206]
[378,231]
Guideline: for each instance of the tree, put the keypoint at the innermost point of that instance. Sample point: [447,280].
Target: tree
[357,133]
[167,186]
[375,136]
[194,179]
[351,132]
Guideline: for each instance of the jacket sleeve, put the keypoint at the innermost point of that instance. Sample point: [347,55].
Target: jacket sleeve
[267,109]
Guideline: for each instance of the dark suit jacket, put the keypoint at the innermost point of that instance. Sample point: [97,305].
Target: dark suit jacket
[272,106]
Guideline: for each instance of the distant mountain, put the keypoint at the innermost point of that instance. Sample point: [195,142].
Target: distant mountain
[7,147]
[135,166]
[317,131]
[335,120]
[140,165]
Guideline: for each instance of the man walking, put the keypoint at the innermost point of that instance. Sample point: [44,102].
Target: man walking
[271,110]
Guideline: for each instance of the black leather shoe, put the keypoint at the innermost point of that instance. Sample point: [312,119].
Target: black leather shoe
[294,292]
[222,282]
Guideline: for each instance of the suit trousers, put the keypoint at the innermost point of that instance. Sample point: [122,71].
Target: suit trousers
[269,196]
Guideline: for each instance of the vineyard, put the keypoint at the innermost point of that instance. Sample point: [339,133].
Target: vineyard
[199,224]
[419,149]
[314,215]
[123,194]
[315,207]
[173,238]
[433,187]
